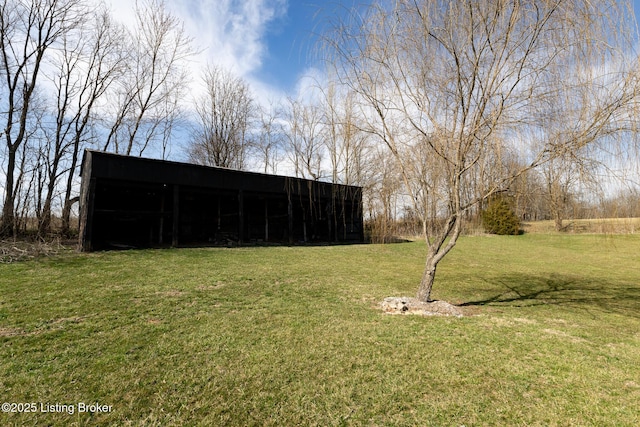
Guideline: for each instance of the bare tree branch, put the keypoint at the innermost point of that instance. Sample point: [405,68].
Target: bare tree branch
[458,90]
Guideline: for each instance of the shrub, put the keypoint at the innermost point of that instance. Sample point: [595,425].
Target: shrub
[499,217]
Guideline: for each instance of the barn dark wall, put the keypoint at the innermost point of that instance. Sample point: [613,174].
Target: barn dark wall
[131,202]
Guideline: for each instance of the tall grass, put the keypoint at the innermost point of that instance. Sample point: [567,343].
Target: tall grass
[293,336]
[593,226]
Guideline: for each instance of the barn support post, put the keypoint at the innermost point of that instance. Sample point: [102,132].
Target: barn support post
[266,219]
[290,219]
[343,221]
[161,227]
[176,216]
[330,215]
[304,226]
[219,218]
[240,216]
[334,214]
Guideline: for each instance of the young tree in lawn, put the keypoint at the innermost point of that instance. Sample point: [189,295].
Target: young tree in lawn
[470,82]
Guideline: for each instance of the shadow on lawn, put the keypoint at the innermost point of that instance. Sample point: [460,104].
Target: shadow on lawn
[525,290]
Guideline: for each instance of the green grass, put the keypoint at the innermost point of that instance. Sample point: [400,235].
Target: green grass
[292,336]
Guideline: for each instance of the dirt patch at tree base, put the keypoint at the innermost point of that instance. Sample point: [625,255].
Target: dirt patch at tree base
[409,305]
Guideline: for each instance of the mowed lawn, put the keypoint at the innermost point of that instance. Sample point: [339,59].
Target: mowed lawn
[289,336]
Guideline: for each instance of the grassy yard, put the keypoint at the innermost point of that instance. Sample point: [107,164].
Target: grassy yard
[292,336]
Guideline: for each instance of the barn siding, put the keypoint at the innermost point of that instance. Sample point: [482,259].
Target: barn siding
[131,202]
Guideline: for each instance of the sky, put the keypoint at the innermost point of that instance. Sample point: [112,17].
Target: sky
[269,43]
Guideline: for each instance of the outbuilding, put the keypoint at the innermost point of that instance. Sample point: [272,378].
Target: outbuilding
[134,202]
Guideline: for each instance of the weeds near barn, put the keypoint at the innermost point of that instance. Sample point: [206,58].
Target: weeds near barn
[294,336]
[29,249]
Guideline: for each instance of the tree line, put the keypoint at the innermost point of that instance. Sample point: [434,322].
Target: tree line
[72,77]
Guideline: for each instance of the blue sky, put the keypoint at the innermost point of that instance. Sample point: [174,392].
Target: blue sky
[267,42]
[290,40]
[270,43]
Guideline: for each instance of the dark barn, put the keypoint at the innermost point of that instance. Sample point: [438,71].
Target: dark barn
[133,202]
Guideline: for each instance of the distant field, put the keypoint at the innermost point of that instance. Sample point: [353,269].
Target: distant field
[603,225]
[289,336]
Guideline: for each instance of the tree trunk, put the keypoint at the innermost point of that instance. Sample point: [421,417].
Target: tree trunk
[44,226]
[68,201]
[428,277]
[7,225]
[558,221]
[66,216]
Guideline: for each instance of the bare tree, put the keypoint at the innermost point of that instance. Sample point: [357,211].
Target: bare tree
[224,112]
[30,181]
[467,84]
[27,31]
[304,137]
[90,60]
[346,149]
[72,57]
[148,92]
[528,193]
[381,193]
[345,143]
[102,59]
[269,139]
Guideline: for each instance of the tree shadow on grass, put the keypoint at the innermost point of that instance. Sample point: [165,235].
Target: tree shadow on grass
[521,290]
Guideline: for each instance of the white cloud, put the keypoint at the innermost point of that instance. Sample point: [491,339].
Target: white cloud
[229,33]
[309,84]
